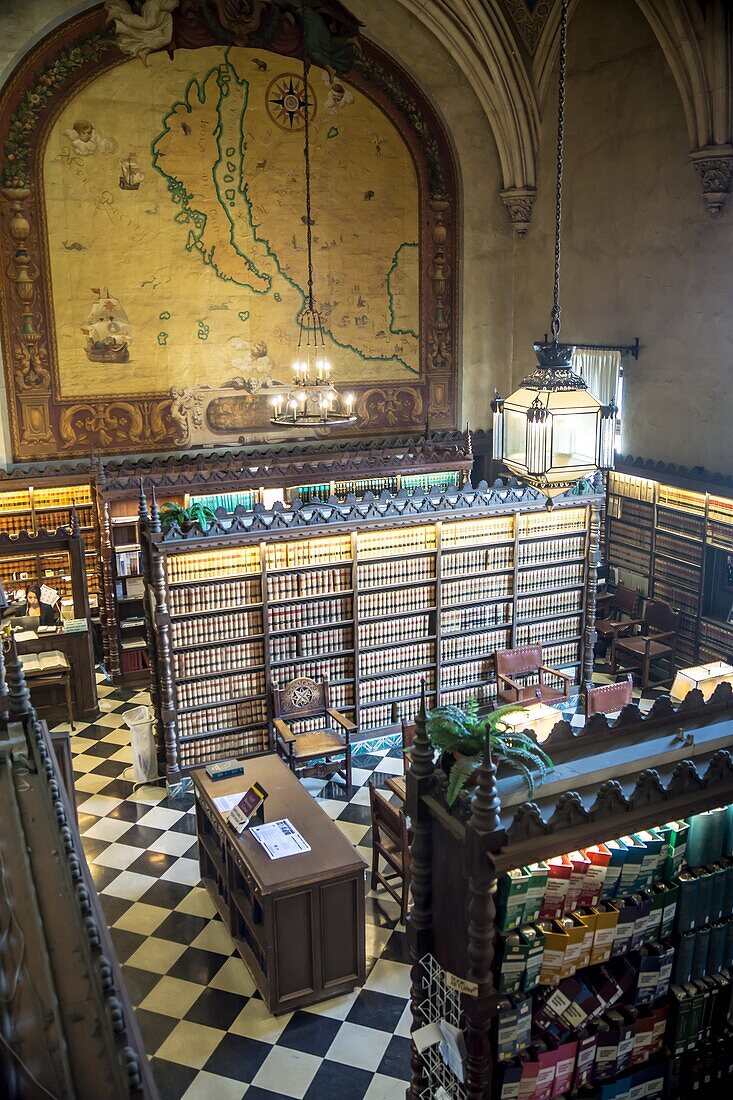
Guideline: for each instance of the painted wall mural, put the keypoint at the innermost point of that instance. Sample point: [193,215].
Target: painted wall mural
[155,231]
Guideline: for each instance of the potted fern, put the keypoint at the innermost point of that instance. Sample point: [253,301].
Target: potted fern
[463,732]
[186,518]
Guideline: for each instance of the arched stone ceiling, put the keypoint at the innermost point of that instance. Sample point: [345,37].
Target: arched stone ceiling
[492,51]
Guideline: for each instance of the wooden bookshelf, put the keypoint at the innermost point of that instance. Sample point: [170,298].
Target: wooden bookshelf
[377,597]
[659,536]
[46,508]
[611,779]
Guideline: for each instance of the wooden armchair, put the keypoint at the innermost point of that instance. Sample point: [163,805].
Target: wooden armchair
[618,621]
[391,843]
[609,698]
[321,747]
[656,642]
[527,661]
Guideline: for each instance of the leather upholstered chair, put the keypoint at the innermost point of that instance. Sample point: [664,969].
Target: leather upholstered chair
[623,610]
[526,661]
[609,698]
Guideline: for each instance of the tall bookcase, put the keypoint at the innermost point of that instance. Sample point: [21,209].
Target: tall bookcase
[46,508]
[377,596]
[659,537]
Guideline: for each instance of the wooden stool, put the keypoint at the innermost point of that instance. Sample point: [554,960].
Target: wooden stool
[52,670]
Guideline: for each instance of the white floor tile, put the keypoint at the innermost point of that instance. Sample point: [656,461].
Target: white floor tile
[385,1088]
[173,844]
[159,817]
[185,871]
[108,828]
[359,1046]
[288,1072]
[256,1022]
[129,885]
[118,855]
[100,805]
[210,1086]
[390,977]
[90,784]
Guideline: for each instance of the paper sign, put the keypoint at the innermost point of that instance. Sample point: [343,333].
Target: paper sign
[48,595]
[226,802]
[461,985]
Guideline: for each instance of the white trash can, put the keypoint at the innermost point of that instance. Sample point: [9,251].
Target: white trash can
[139,721]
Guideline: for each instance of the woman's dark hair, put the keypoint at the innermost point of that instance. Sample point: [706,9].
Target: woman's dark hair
[35,589]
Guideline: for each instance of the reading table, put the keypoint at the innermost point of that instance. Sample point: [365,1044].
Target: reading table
[298,921]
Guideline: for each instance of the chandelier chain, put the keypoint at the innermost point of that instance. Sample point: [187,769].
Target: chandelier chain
[307,155]
[556,311]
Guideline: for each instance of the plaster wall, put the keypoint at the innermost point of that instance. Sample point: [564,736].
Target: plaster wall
[640,255]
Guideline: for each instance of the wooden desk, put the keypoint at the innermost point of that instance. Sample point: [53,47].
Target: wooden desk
[78,648]
[297,922]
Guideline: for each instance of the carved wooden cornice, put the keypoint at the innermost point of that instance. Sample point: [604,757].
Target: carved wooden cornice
[695,478]
[404,504]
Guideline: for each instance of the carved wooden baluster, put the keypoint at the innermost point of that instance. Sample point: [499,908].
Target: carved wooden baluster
[590,636]
[144,520]
[420,776]
[166,712]
[484,836]
[108,603]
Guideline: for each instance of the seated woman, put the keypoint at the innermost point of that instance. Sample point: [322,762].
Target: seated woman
[48,614]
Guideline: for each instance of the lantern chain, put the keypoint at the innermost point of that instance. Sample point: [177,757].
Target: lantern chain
[556,311]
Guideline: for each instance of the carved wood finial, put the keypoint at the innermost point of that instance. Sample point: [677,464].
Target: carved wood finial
[421,753]
[155,526]
[485,804]
[75,526]
[19,698]
[142,505]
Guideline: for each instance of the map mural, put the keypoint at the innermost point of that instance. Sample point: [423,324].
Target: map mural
[174,209]
[153,228]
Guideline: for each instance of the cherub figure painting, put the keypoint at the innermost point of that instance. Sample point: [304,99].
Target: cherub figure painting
[85,141]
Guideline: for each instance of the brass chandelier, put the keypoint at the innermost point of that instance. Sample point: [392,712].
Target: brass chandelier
[312,401]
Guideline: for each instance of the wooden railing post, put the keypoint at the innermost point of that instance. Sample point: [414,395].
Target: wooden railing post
[420,779]
[484,837]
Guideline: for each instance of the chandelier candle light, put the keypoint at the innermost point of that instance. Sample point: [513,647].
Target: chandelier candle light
[552,431]
[313,401]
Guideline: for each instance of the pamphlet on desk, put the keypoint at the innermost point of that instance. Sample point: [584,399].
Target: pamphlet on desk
[280,838]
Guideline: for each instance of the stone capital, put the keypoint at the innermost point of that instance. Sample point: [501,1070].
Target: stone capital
[519,202]
[714,166]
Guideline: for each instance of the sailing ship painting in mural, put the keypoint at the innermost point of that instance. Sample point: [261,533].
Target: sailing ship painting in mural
[130,175]
[107,330]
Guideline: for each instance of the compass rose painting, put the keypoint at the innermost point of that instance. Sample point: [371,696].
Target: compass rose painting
[286,102]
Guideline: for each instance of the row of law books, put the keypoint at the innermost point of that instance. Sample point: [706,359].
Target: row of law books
[214,597]
[215,660]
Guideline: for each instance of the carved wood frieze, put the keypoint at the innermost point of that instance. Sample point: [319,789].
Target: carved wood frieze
[43,420]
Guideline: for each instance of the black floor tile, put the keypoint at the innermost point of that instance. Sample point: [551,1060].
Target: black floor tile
[166,894]
[139,983]
[85,821]
[93,848]
[379,914]
[396,1060]
[397,949]
[185,824]
[116,788]
[216,1008]
[172,1080]
[129,811]
[238,1058]
[102,876]
[378,1010]
[196,965]
[254,1092]
[154,1028]
[104,749]
[360,815]
[181,927]
[126,943]
[113,907]
[336,1082]
[309,1032]
[142,836]
[153,863]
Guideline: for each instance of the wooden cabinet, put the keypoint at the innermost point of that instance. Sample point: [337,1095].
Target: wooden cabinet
[298,922]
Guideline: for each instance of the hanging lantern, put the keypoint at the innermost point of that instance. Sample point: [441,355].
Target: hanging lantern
[552,431]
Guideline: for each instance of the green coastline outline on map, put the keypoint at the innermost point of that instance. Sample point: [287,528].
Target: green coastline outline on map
[229,168]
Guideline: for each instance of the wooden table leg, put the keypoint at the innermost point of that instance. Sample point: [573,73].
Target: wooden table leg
[67,692]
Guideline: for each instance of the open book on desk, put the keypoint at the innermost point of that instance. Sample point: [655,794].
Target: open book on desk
[36,663]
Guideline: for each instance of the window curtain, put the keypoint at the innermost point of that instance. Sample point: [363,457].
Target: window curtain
[600,369]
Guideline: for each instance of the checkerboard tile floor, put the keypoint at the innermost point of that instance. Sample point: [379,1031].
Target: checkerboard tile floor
[204,1025]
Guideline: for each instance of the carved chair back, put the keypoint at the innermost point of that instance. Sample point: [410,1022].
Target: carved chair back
[626,601]
[301,698]
[519,662]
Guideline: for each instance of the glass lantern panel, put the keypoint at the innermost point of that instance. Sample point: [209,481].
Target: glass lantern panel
[574,439]
[515,437]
